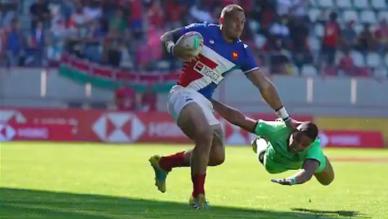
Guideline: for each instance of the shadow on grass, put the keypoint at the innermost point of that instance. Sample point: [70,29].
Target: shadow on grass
[26,204]
[325,213]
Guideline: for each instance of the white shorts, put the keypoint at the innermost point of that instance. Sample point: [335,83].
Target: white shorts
[180,96]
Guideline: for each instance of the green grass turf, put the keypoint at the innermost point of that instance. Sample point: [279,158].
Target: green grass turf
[85,180]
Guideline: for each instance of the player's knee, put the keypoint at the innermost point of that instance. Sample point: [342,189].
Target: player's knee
[204,135]
[325,178]
[328,180]
[217,160]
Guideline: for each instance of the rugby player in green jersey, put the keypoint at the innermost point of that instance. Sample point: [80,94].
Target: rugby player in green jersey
[280,148]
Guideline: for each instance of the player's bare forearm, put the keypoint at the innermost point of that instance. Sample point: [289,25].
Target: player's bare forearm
[234,116]
[307,172]
[168,40]
[169,35]
[266,87]
[302,176]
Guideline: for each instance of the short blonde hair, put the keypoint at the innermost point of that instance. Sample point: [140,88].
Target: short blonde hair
[229,9]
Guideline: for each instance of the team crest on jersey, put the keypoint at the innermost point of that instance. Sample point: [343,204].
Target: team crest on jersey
[234,55]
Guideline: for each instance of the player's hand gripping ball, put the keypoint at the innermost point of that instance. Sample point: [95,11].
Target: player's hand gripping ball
[189,45]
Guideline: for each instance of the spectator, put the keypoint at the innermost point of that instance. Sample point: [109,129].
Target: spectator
[267,14]
[381,35]
[15,44]
[77,22]
[155,15]
[125,99]
[96,30]
[155,48]
[136,17]
[346,64]
[148,100]
[39,13]
[58,23]
[298,9]
[8,10]
[118,23]
[92,10]
[36,45]
[366,40]
[114,53]
[175,12]
[283,7]
[292,8]
[349,36]
[279,29]
[300,50]
[331,39]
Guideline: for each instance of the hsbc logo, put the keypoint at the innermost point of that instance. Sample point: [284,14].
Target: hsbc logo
[11,115]
[118,127]
[6,132]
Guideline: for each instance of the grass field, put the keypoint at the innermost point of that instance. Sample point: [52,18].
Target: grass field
[83,180]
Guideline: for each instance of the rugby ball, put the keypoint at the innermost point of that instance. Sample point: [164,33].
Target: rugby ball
[191,40]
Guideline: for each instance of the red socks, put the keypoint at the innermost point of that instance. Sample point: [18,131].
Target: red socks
[198,184]
[178,160]
[175,160]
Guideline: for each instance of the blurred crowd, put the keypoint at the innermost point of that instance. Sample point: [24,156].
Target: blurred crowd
[284,35]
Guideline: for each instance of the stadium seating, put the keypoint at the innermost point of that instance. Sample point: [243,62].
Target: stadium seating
[379,4]
[360,4]
[383,15]
[373,60]
[313,14]
[344,4]
[386,60]
[368,17]
[326,3]
[314,43]
[312,3]
[319,30]
[350,15]
[381,72]
[358,58]
[358,28]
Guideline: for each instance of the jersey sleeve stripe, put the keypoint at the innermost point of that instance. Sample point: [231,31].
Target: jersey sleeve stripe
[250,70]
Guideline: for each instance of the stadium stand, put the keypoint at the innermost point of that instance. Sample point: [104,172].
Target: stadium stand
[125,34]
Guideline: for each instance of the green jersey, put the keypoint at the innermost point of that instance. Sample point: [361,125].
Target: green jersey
[277,157]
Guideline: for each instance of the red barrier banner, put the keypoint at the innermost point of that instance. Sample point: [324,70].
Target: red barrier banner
[105,126]
[35,132]
[333,138]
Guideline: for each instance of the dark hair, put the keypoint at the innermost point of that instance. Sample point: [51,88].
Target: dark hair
[309,129]
[229,9]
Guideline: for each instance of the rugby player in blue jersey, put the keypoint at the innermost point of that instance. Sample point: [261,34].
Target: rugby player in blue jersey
[189,100]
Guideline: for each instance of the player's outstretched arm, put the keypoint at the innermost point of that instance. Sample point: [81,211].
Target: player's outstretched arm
[180,52]
[234,116]
[270,95]
[301,177]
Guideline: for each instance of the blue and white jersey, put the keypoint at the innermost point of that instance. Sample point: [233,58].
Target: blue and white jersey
[217,58]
